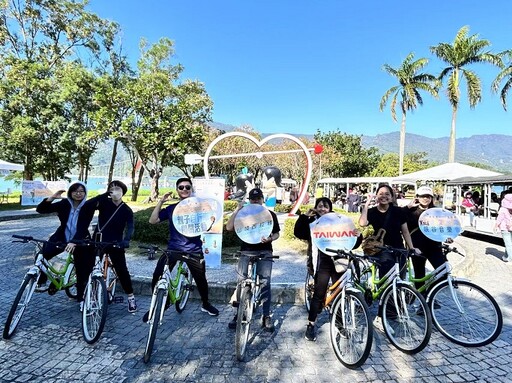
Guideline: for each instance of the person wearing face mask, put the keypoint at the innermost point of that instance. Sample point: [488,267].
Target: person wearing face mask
[319,264]
[115,224]
[67,210]
[180,243]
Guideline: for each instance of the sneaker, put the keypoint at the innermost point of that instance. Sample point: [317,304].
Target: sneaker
[42,287]
[132,305]
[232,323]
[208,308]
[310,332]
[267,324]
[145,317]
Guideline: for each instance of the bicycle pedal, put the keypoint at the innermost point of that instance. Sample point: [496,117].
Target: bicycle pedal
[118,300]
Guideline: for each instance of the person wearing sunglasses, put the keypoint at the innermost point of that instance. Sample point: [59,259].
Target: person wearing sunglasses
[180,243]
[67,209]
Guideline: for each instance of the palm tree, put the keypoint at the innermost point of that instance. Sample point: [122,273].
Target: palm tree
[410,83]
[506,73]
[463,51]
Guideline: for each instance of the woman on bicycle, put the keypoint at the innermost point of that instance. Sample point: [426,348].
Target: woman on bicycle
[115,224]
[67,209]
[319,264]
[386,215]
[431,250]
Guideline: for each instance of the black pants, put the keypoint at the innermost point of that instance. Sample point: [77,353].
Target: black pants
[84,263]
[197,269]
[434,255]
[325,272]
[387,261]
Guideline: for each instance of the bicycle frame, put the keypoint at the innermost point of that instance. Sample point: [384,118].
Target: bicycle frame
[59,278]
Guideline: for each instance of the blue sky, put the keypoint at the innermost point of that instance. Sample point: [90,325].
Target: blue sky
[289,66]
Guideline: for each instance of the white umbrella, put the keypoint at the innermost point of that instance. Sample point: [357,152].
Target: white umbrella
[4,165]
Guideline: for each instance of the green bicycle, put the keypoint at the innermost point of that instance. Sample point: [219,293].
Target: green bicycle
[174,287]
[60,279]
[462,311]
[406,319]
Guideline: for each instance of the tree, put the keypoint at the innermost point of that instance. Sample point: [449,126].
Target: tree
[168,118]
[37,37]
[505,74]
[408,91]
[344,156]
[464,50]
[413,162]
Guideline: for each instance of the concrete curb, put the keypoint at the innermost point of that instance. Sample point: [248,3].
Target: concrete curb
[282,293]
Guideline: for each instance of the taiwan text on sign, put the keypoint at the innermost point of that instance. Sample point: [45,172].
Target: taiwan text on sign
[334,231]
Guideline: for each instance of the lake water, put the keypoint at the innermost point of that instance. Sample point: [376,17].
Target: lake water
[93,183]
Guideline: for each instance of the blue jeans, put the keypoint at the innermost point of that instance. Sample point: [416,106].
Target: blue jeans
[265,272]
[507,239]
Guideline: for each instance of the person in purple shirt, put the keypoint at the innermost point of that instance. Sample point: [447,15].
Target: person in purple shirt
[180,243]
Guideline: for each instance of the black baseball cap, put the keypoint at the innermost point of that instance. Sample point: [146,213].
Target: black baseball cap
[255,193]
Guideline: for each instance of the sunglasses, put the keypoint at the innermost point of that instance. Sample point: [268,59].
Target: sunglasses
[186,187]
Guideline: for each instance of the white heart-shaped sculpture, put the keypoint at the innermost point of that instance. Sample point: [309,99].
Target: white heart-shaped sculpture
[259,144]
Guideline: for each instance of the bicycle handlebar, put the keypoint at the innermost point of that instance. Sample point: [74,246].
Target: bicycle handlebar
[450,249]
[29,238]
[97,244]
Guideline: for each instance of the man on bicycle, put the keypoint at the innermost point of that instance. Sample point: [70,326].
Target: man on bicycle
[264,265]
[180,243]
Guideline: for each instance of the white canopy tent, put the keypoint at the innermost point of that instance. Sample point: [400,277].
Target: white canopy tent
[4,165]
[446,172]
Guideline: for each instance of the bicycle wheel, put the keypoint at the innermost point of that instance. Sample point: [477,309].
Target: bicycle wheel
[185,288]
[243,322]
[111,283]
[154,321]
[476,322]
[71,288]
[20,304]
[408,322]
[94,313]
[309,288]
[351,329]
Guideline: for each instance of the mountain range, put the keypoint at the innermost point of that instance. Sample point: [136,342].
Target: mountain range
[491,150]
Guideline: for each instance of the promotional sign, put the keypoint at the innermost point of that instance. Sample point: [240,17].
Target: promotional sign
[334,231]
[33,192]
[439,224]
[252,223]
[212,191]
[193,216]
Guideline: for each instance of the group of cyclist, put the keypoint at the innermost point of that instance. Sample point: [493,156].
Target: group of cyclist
[115,223]
[380,211]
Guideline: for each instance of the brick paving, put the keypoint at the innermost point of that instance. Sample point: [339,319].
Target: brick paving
[194,347]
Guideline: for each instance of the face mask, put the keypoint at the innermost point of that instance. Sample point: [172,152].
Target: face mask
[116,195]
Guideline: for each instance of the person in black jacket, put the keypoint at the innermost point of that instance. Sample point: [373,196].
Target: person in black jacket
[319,264]
[67,209]
[115,224]
[430,250]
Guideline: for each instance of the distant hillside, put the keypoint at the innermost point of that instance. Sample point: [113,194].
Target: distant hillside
[494,150]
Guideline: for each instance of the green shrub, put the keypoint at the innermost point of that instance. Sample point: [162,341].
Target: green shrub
[146,232]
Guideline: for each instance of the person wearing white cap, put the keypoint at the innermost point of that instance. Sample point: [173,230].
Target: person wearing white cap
[430,250]
[504,225]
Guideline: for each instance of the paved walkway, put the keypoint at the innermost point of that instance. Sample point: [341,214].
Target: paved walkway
[194,347]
